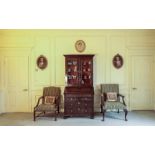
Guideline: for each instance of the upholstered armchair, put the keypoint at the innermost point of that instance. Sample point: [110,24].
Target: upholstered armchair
[112,100]
[48,102]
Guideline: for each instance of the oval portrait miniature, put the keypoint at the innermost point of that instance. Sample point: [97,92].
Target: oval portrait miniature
[118,61]
[42,62]
[80,45]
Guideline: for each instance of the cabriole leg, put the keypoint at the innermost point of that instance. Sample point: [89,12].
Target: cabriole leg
[103,114]
[34,115]
[126,112]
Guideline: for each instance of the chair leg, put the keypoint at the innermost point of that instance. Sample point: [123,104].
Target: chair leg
[58,109]
[55,115]
[118,111]
[101,108]
[103,114]
[126,112]
[34,116]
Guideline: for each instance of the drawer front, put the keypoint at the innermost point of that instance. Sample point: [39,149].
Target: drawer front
[86,99]
[78,106]
[71,99]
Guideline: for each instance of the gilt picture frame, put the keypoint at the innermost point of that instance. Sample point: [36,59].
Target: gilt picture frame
[80,45]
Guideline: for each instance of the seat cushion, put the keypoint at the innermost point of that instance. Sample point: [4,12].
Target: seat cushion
[45,107]
[114,105]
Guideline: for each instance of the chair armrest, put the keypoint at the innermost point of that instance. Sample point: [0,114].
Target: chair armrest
[122,96]
[39,100]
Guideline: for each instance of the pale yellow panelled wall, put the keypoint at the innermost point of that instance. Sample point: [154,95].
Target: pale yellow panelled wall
[41,77]
[117,47]
[2,108]
[53,44]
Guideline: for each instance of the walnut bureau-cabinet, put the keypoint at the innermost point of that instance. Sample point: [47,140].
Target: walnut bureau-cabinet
[79,91]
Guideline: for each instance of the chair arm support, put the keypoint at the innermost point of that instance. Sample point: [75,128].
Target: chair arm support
[122,96]
[56,97]
[39,100]
[57,100]
[102,99]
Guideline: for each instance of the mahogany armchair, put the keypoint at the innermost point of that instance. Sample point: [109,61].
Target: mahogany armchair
[112,100]
[48,102]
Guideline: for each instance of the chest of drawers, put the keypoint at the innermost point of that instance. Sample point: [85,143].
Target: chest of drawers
[79,104]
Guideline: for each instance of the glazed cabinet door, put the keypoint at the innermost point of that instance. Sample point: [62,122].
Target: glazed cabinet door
[72,71]
[86,70]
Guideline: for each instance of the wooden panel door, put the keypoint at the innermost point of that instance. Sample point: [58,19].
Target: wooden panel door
[16,79]
[141,97]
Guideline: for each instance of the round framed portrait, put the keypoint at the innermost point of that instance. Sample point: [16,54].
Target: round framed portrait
[118,61]
[80,45]
[42,62]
